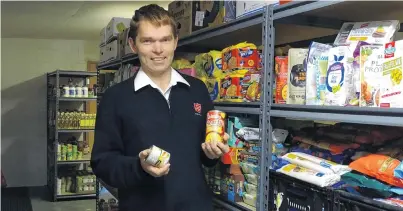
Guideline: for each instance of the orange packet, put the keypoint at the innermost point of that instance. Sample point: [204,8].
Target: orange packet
[281,71]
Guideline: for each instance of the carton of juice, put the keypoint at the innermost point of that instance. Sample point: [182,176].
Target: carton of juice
[391,80]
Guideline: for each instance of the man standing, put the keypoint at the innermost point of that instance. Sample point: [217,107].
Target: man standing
[158,106]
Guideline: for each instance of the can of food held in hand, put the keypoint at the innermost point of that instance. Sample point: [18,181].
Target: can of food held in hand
[215,126]
[157,157]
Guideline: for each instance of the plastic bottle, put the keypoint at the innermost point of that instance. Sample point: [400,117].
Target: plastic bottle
[72,89]
[79,91]
[85,91]
[66,91]
[85,88]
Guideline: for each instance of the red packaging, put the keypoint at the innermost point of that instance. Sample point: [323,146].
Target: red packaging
[241,56]
[281,70]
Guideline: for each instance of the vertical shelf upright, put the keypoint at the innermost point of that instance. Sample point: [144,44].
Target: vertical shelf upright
[55,100]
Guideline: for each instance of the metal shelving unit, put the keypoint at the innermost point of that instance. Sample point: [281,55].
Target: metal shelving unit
[54,101]
[331,15]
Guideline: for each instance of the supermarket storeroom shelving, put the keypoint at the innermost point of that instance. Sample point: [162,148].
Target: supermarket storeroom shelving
[274,27]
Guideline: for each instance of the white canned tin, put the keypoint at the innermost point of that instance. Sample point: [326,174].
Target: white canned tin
[158,157]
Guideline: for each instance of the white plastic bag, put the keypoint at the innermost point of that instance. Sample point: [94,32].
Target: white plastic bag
[310,176]
[317,164]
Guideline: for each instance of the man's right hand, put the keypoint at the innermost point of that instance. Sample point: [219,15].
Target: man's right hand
[153,171]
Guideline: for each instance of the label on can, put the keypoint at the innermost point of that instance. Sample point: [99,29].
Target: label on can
[158,157]
[215,126]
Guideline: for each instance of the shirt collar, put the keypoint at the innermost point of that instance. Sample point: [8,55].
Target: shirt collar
[141,80]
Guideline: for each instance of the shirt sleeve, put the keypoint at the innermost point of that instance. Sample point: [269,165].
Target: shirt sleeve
[208,105]
[108,161]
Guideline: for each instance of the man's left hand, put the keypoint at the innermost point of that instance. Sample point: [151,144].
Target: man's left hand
[216,149]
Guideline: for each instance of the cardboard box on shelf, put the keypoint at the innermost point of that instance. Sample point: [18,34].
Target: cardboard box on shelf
[115,26]
[195,15]
[102,54]
[124,47]
[212,13]
[247,7]
[182,13]
[112,50]
[102,36]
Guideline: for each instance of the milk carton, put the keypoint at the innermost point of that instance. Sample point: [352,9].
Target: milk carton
[340,89]
[391,80]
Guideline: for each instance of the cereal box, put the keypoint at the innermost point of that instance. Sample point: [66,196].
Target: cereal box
[296,75]
[339,81]
[374,32]
[281,87]
[371,65]
[391,81]
[315,81]
[241,56]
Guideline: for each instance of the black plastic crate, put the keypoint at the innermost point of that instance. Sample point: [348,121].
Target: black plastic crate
[298,195]
[344,201]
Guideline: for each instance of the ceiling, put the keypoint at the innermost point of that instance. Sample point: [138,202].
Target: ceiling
[72,20]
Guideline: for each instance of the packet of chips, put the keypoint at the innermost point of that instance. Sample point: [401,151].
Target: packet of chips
[241,56]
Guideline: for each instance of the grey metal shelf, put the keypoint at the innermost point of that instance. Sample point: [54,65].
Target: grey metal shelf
[338,117]
[79,99]
[332,14]
[72,73]
[238,110]
[110,65]
[229,205]
[76,196]
[75,130]
[240,104]
[72,162]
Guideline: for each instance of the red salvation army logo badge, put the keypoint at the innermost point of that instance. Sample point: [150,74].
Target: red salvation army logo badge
[197,107]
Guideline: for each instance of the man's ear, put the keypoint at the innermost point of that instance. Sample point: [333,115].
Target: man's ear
[132,45]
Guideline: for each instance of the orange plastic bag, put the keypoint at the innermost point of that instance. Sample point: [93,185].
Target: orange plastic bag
[379,166]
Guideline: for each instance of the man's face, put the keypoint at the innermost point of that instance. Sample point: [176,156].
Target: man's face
[155,46]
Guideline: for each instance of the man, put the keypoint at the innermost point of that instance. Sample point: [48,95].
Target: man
[158,106]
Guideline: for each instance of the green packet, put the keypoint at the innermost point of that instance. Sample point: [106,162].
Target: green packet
[363,181]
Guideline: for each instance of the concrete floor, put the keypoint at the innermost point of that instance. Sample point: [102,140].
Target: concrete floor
[40,202]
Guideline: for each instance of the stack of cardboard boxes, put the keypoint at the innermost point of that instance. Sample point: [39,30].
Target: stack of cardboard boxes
[195,15]
[192,16]
[113,40]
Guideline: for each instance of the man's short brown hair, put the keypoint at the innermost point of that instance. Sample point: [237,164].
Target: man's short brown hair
[155,14]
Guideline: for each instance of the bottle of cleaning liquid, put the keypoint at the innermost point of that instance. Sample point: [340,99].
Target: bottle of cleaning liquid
[85,88]
[79,91]
[72,89]
[66,91]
